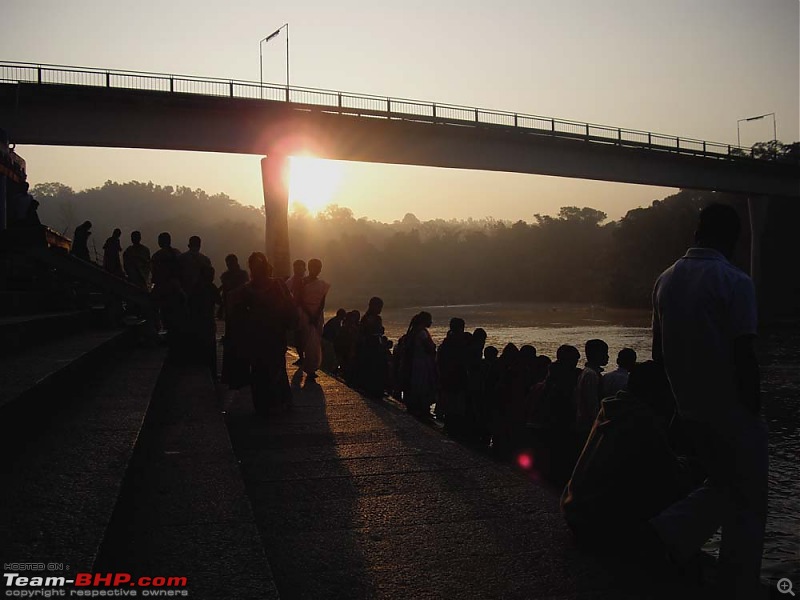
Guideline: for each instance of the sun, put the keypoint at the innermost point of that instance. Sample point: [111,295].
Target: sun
[313,182]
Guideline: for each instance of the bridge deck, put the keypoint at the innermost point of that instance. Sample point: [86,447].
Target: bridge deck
[354,498]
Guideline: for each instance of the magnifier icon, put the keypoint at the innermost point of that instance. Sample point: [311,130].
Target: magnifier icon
[785,586]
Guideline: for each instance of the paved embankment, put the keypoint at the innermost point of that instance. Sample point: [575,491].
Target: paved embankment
[66,446]
[183,510]
[355,499]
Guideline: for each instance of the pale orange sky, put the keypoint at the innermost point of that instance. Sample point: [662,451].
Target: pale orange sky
[679,67]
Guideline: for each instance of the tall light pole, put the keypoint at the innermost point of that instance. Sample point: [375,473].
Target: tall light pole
[261,57]
[774,126]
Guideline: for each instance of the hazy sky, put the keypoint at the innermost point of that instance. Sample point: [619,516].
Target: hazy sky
[683,67]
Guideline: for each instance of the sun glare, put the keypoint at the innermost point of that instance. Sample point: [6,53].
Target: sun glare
[313,182]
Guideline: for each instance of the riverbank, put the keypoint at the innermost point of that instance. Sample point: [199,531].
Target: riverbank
[354,498]
[547,326]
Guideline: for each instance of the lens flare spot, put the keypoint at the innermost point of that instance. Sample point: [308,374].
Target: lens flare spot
[525,461]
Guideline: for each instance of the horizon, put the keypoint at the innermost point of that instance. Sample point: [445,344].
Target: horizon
[298,209]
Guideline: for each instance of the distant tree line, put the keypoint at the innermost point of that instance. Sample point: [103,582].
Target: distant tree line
[575,256]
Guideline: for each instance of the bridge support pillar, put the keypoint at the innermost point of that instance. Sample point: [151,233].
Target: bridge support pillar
[275,180]
[3,192]
[758,207]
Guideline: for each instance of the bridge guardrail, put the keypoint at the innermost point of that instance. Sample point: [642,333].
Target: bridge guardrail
[371,105]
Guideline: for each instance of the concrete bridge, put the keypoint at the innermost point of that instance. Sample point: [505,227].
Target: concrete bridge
[75,106]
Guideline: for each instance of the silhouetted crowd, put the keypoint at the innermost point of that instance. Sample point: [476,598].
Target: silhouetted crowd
[655,456]
[262,313]
[515,402]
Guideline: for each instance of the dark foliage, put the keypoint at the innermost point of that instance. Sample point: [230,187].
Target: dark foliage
[575,256]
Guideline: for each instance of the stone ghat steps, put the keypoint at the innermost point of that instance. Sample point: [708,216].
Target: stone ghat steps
[71,419]
[19,332]
[46,371]
[116,461]
[183,510]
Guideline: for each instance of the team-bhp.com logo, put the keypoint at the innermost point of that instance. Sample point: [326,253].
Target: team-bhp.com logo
[93,585]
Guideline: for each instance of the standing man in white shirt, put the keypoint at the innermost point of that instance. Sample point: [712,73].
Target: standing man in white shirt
[617,379]
[704,327]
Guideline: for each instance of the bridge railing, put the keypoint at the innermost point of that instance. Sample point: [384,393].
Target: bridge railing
[368,105]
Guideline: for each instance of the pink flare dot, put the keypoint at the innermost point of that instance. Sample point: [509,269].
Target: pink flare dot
[525,461]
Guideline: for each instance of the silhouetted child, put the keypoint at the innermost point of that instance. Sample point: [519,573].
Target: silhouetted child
[295,286]
[332,326]
[329,332]
[346,344]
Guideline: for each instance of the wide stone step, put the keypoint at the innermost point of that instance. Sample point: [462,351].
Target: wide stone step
[65,455]
[47,370]
[354,498]
[183,510]
[20,332]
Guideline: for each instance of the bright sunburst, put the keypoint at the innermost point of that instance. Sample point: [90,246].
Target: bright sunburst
[313,182]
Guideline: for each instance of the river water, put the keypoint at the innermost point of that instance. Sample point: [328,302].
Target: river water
[548,326]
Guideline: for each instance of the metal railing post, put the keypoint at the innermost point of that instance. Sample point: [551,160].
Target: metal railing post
[39,74]
[649,139]
[231,89]
[515,120]
[704,147]
[434,109]
[476,115]
[587,131]
[171,84]
[553,125]
[678,144]
[287,93]
[339,98]
[388,105]
[108,79]
[619,135]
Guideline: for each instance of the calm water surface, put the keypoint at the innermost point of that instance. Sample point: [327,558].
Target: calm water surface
[548,326]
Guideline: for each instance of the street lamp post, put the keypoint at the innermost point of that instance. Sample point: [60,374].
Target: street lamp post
[774,126]
[261,57]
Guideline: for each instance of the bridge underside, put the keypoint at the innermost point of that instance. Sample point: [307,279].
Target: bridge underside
[120,118]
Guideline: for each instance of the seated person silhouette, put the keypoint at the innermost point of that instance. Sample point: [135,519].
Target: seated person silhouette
[627,472]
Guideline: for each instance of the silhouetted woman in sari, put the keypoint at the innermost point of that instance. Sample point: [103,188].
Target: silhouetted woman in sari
[372,356]
[418,368]
[267,312]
